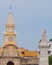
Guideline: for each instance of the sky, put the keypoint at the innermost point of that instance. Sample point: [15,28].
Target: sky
[30,17]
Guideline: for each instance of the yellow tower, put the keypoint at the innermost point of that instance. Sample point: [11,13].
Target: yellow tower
[10,34]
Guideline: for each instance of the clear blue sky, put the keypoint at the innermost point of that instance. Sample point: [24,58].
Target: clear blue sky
[30,17]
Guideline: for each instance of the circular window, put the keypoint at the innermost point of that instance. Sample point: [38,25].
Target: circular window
[10,38]
[10,63]
[23,52]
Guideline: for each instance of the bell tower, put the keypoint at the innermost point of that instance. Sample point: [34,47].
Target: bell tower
[10,34]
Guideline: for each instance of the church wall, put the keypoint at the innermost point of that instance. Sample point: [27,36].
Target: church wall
[4,61]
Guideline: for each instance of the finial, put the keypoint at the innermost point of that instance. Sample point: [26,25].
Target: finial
[44,36]
[44,30]
[10,20]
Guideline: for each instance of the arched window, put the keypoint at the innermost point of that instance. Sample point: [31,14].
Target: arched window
[10,63]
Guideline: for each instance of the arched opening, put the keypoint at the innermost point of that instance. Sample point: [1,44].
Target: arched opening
[10,63]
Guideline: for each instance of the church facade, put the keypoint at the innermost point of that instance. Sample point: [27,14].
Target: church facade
[10,53]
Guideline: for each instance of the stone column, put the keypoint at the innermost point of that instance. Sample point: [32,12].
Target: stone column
[43,47]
